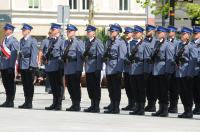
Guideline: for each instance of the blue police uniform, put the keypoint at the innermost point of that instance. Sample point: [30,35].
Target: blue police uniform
[52,52]
[92,55]
[114,59]
[185,57]
[127,86]
[27,63]
[149,43]
[7,65]
[73,67]
[170,72]
[136,58]
[196,89]
[160,55]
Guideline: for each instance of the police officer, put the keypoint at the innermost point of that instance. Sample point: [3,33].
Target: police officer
[8,55]
[92,55]
[27,63]
[52,52]
[170,71]
[148,67]
[73,58]
[196,88]
[159,58]
[136,57]
[114,58]
[185,58]
[131,100]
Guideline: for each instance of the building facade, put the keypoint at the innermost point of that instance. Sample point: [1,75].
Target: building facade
[40,13]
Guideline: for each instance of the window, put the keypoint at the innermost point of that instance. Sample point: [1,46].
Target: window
[123,5]
[85,4]
[33,4]
[73,4]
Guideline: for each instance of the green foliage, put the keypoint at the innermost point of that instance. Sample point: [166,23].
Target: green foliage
[193,10]
[101,34]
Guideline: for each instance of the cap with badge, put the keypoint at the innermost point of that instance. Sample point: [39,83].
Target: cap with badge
[186,30]
[161,29]
[172,29]
[196,29]
[128,30]
[115,27]
[27,27]
[150,27]
[8,26]
[71,27]
[55,26]
[90,28]
[138,29]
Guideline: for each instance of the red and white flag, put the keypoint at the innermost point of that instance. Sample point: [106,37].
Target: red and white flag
[5,50]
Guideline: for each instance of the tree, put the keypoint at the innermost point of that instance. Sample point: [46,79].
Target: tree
[91,12]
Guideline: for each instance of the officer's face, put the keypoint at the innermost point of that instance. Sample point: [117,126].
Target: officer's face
[113,34]
[185,36]
[54,32]
[90,34]
[128,35]
[196,36]
[70,34]
[150,33]
[8,32]
[138,35]
[172,34]
[25,32]
[161,35]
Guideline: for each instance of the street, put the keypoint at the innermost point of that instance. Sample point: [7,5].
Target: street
[39,120]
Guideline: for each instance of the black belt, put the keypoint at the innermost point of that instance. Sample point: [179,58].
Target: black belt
[53,58]
[92,57]
[71,59]
[113,58]
[26,56]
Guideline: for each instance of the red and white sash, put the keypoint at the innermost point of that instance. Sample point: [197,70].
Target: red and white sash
[5,50]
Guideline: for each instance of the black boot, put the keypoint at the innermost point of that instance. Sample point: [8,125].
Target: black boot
[109,106]
[151,107]
[196,110]
[89,109]
[75,106]
[173,108]
[9,103]
[28,103]
[52,107]
[164,111]
[137,107]
[96,107]
[187,113]
[141,109]
[116,109]
[130,106]
[58,105]
[159,111]
[23,105]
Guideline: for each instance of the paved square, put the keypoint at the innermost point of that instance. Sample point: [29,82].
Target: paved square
[39,120]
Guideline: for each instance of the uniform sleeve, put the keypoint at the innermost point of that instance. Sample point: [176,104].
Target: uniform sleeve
[193,55]
[80,51]
[100,52]
[122,53]
[14,51]
[169,58]
[34,54]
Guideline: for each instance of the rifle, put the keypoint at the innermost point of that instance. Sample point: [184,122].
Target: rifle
[66,50]
[86,53]
[179,57]
[47,56]
[131,58]
[156,51]
[107,55]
